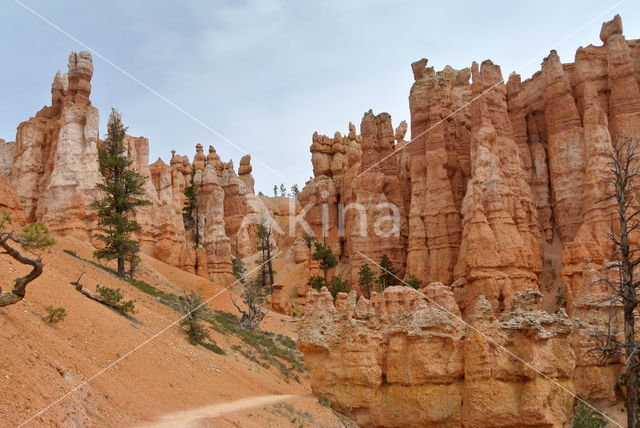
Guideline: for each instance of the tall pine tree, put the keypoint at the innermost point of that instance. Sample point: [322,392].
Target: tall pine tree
[122,187]
[327,258]
[388,275]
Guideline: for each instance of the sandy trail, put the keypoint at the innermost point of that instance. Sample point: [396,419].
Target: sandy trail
[188,418]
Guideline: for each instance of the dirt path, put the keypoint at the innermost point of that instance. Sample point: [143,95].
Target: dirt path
[188,418]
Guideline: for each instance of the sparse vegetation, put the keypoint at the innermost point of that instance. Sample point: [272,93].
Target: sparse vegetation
[414,282]
[297,418]
[586,417]
[324,401]
[55,315]
[264,348]
[194,309]
[122,188]
[278,350]
[548,275]
[71,253]
[113,297]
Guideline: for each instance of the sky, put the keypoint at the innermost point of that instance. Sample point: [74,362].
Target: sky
[262,76]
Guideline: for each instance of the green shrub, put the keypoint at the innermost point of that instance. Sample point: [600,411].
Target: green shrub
[337,285]
[414,282]
[316,282]
[324,401]
[55,315]
[113,297]
[586,417]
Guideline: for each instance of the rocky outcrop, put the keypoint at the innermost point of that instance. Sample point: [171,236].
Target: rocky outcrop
[496,179]
[280,302]
[439,169]
[356,203]
[524,358]
[54,167]
[10,202]
[501,246]
[404,358]
[6,158]
[162,233]
[244,173]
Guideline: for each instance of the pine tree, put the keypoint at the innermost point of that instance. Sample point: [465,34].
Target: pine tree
[122,187]
[295,190]
[191,209]
[283,190]
[414,282]
[337,285]
[328,260]
[388,275]
[275,190]
[238,268]
[366,279]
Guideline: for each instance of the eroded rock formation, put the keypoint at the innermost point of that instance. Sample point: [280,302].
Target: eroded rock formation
[54,164]
[498,180]
[404,358]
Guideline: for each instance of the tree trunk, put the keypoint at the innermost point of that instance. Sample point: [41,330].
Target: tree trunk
[263,268]
[631,366]
[20,284]
[269,259]
[629,299]
[121,271]
[197,221]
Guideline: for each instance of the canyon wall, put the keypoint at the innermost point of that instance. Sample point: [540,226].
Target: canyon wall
[499,182]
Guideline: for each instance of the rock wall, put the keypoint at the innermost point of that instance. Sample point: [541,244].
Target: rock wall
[402,359]
[54,164]
[10,202]
[495,177]
[498,180]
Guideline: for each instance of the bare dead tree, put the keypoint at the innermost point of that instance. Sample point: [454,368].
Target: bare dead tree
[623,177]
[253,296]
[34,239]
[122,309]
[80,289]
